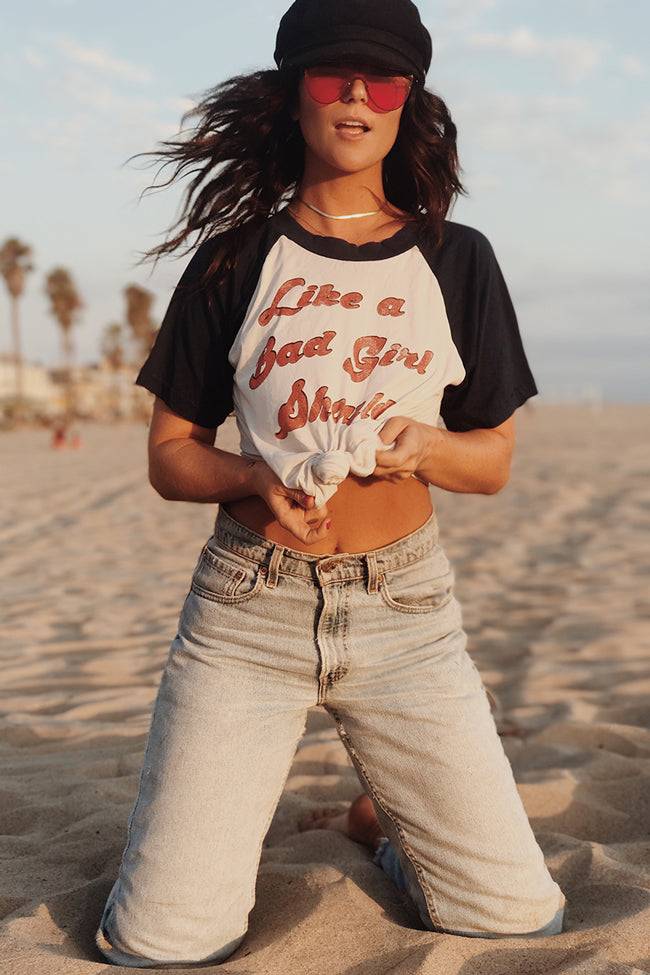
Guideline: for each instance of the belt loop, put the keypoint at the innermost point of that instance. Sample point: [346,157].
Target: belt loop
[274,567]
[373,574]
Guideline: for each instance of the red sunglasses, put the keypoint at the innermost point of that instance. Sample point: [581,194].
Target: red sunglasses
[327,84]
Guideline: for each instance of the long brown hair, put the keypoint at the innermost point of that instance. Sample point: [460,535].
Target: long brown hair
[244,158]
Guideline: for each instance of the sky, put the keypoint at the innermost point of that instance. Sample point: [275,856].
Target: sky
[552,104]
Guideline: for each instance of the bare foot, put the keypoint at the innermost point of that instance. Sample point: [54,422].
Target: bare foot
[359,822]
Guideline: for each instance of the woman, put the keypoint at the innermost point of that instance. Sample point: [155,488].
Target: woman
[339,327]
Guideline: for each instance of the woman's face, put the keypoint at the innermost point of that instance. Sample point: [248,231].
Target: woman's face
[347,136]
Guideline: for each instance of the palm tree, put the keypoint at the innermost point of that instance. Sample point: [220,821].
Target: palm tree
[66,303]
[138,316]
[114,357]
[14,265]
[113,346]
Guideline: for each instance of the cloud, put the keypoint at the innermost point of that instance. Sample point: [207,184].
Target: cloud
[554,136]
[514,123]
[89,116]
[80,87]
[458,18]
[634,67]
[64,139]
[34,59]
[99,60]
[94,103]
[574,58]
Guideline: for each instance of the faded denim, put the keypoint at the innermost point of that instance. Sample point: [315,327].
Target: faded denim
[266,633]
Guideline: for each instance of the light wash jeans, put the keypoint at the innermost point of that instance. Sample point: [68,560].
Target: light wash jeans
[265,634]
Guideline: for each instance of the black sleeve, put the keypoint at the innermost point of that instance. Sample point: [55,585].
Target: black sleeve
[188,366]
[485,331]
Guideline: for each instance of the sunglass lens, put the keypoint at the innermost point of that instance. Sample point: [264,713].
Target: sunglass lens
[325,87]
[385,92]
[388,94]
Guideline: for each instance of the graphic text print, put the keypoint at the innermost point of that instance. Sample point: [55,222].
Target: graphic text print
[364,359]
[322,295]
[297,411]
[292,352]
[359,366]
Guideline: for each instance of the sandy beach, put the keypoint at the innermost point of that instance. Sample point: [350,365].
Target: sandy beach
[554,578]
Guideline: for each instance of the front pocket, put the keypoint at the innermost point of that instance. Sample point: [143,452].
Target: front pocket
[224,579]
[419,587]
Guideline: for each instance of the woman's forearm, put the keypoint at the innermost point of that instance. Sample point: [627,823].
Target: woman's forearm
[190,470]
[184,465]
[475,462]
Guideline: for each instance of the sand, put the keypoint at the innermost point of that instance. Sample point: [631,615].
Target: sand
[553,575]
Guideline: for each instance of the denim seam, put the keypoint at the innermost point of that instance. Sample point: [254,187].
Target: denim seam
[234,576]
[226,599]
[383,564]
[237,550]
[411,608]
[235,573]
[332,674]
[374,575]
[141,777]
[424,886]
[273,569]
[271,814]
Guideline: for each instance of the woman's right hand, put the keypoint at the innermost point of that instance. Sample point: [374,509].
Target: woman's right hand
[294,510]
[184,465]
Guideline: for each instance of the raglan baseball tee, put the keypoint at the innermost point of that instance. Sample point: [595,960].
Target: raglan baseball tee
[316,342]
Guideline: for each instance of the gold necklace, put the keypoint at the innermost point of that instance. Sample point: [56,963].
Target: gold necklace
[332,216]
[305,222]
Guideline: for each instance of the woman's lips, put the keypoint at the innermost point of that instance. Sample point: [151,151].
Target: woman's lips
[352,126]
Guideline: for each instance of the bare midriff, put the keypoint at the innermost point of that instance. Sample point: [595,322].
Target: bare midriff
[366,513]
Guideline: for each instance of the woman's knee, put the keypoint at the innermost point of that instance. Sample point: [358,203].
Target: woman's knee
[118,956]
[155,940]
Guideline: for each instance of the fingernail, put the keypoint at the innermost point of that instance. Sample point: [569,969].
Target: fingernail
[328,525]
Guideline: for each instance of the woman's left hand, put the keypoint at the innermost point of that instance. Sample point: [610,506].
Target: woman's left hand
[408,455]
[475,461]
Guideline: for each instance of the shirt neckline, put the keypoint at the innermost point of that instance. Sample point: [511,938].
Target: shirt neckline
[342,250]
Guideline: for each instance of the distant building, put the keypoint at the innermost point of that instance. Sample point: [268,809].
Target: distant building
[97,392]
[42,395]
[104,393]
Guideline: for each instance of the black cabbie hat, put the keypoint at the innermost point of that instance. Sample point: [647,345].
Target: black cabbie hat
[389,32]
